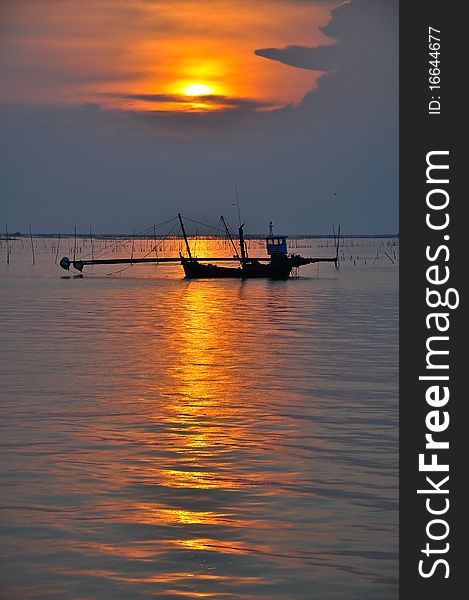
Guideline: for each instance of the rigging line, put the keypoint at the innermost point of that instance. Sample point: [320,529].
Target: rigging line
[125,244]
[150,229]
[219,227]
[160,242]
[231,230]
[57,250]
[204,224]
[156,246]
[120,243]
[229,234]
[144,256]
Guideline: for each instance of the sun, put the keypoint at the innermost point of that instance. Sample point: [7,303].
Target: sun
[197,89]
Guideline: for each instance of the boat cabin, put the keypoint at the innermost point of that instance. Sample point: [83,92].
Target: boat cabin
[276,244]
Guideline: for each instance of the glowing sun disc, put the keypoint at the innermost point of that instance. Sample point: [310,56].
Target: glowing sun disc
[197,89]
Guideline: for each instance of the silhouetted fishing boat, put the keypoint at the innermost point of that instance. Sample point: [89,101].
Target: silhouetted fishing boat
[278,265]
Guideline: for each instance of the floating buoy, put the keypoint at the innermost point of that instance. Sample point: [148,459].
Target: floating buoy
[65,263]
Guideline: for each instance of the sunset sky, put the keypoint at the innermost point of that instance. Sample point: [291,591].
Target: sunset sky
[129,110]
[155,55]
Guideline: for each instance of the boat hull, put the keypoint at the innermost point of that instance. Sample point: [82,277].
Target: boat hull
[272,270]
[193,269]
[196,270]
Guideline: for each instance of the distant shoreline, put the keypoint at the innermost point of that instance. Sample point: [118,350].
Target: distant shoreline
[251,236]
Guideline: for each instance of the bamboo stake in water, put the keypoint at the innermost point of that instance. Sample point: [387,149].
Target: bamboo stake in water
[75,245]
[8,244]
[32,244]
[132,251]
[92,249]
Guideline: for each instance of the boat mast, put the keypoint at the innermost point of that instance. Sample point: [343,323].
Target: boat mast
[185,236]
[242,243]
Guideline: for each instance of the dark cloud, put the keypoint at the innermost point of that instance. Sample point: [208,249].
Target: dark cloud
[212,100]
[364,33]
[321,58]
[358,21]
[358,92]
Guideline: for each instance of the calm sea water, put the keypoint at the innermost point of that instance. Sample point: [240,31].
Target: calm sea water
[169,439]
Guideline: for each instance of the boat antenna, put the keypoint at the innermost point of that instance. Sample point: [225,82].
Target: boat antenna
[271,228]
[237,204]
[185,236]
